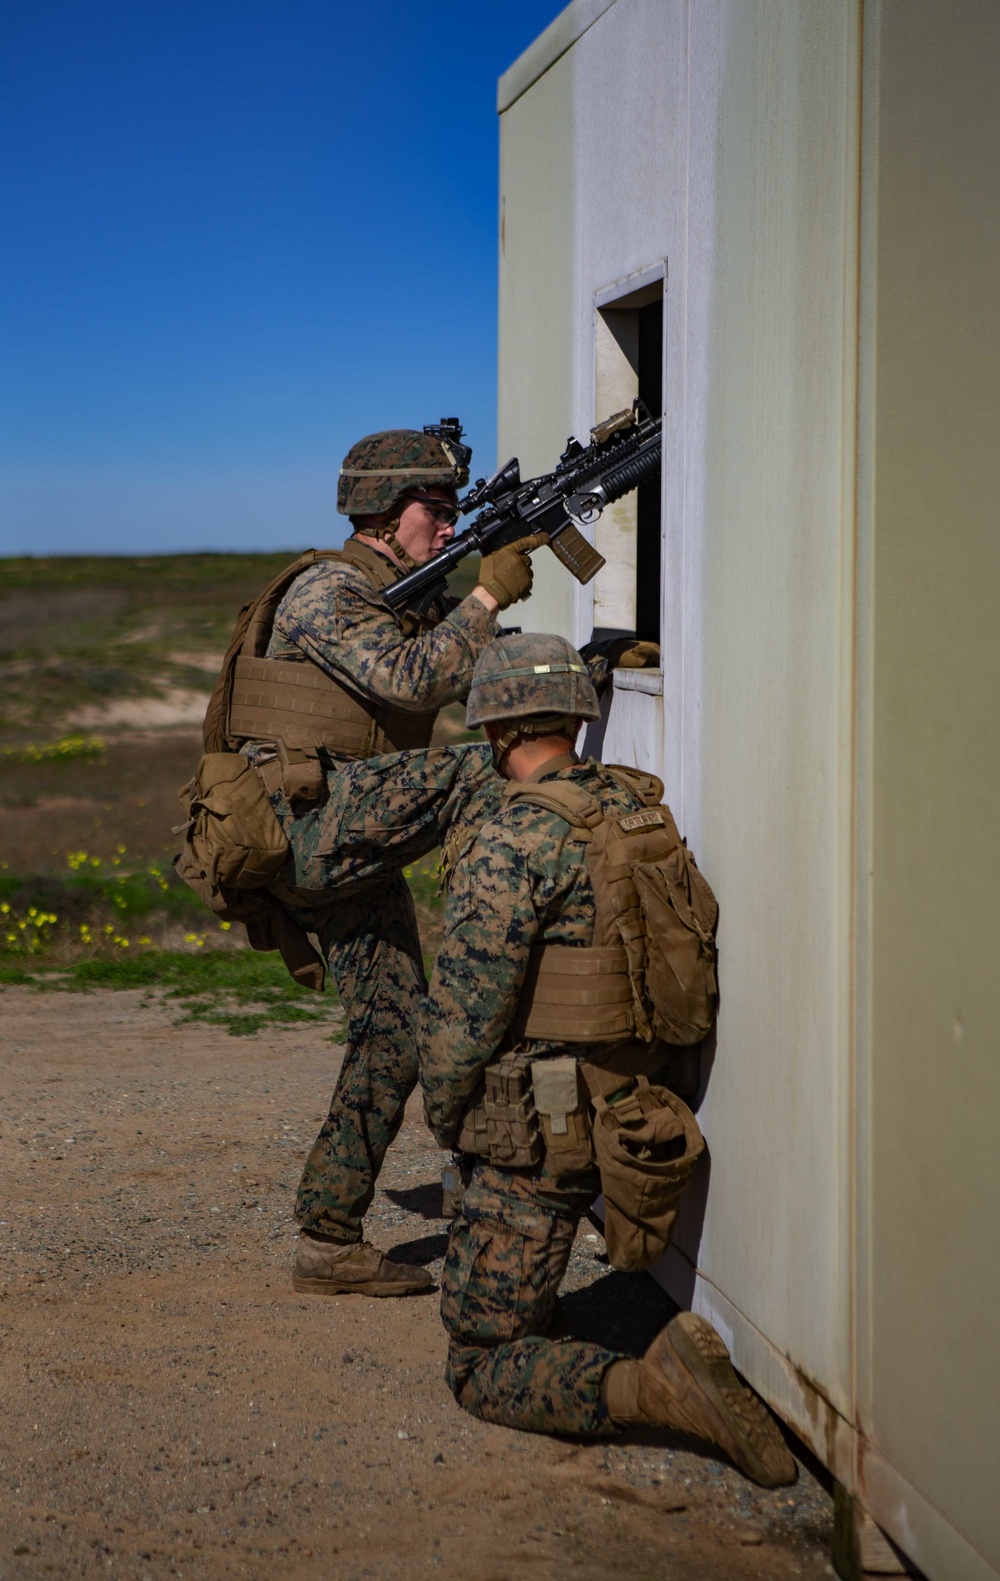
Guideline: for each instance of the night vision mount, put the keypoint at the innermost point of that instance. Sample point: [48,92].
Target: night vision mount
[450,431]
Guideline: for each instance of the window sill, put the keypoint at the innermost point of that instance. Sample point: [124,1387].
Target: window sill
[648,681]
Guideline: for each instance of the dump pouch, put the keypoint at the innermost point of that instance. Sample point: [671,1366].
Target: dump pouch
[234,846]
[233,836]
[268,925]
[647,1144]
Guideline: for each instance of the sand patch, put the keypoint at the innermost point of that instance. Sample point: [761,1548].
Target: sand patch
[175,707]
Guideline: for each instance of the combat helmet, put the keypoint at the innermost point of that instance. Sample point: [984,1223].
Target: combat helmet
[382,467]
[536,682]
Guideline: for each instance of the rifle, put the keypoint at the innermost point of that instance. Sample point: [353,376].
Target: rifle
[623,450]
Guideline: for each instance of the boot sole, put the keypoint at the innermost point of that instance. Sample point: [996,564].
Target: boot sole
[369,1287]
[698,1347]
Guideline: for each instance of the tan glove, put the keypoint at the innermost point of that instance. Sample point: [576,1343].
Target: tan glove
[507,574]
[638,656]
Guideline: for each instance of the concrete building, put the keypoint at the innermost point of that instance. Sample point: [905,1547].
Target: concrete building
[779,222]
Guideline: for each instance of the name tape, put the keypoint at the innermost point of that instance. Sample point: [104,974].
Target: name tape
[640,820]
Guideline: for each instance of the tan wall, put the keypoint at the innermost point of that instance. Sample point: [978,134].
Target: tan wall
[537,275]
[729,152]
[774,352]
[932,1383]
[821,179]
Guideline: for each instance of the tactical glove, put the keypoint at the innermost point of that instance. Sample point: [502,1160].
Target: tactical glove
[637,655]
[507,574]
[617,653]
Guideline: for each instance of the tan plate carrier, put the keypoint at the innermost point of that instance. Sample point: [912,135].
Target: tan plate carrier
[234,843]
[293,700]
[651,971]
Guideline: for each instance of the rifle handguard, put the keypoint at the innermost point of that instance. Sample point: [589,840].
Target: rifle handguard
[625,450]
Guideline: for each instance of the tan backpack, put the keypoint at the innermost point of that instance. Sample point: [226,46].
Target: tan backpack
[654,929]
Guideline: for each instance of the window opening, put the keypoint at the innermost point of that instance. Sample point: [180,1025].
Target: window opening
[629,364]
[649,492]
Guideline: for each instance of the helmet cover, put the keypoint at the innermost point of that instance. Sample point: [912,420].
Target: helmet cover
[529,674]
[382,467]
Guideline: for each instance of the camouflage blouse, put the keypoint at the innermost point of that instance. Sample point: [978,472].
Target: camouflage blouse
[523,881]
[334,616]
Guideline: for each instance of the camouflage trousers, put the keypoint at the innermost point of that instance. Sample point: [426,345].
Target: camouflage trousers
[344,883]
[507,1254]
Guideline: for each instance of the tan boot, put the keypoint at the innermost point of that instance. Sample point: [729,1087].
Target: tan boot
[332,1268]
[686,1380]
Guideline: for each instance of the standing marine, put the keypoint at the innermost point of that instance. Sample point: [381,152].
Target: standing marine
[331,697]
[542,1038]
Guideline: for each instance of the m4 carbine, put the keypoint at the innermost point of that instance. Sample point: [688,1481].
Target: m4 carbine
[623,450]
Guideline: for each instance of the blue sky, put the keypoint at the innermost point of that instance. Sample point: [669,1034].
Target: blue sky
[239,234]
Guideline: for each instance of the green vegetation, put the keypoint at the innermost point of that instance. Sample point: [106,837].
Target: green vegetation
[87,892]
[240,991]
[81,631]
[233,987]
[67,749]
[92,903]
[101,909]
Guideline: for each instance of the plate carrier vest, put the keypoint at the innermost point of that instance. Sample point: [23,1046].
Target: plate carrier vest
[293,701]
[651,970]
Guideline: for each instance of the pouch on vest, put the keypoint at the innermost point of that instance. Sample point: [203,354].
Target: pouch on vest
[680,914]
[513,1139]
[647,1145]
[303,777]
[471,1136]
[562,1114]
[233,837]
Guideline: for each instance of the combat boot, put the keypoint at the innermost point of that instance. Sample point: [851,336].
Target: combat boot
[686,1381]
[336,1268]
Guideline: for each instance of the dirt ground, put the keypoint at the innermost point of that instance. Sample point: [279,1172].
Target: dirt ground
[172,1408]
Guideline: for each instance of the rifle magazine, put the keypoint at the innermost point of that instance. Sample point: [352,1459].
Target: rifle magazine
[573,551]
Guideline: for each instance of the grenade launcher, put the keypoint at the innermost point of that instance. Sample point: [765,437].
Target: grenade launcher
[623,450]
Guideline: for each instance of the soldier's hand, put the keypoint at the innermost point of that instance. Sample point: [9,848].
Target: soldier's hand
[637,655]
[507,574]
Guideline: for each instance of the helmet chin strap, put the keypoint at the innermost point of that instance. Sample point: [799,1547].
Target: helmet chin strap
[387,534]
[524,729]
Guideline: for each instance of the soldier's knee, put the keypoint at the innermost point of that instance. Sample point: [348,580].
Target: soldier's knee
[459,1372]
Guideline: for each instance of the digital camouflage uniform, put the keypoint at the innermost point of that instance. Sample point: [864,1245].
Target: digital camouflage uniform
[522,894]
[523,882]
[344,879]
